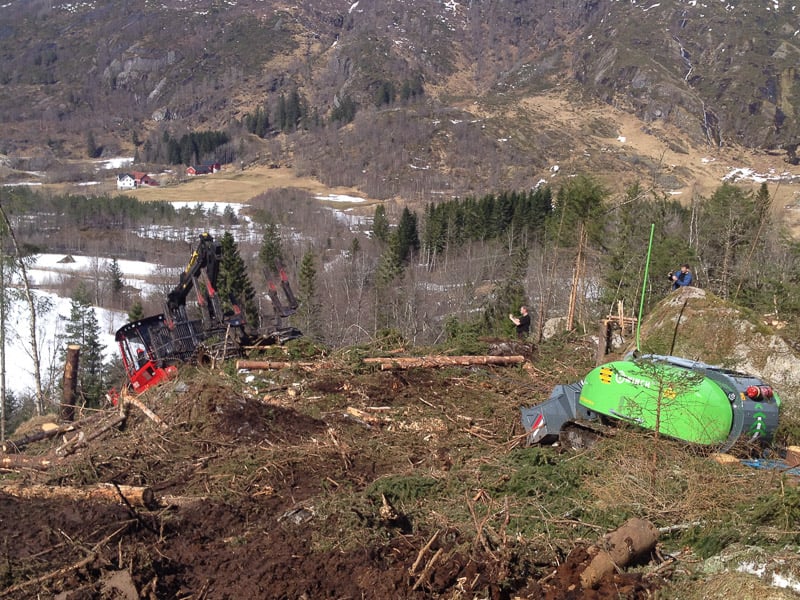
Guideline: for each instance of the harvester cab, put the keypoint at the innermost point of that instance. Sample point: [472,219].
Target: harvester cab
[682,399]
[151,348]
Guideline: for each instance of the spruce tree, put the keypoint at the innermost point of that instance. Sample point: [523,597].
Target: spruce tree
[83,329]
[280,114]
[309,309]
[577,223]
[380,224]
[294,111]
[510,295]
[9,408]
[233,282]
[355,248]
[625,244]
[92,150]
[389,268]
[725,229]
[117,284]
[407,235]
[271,250]
[136,311]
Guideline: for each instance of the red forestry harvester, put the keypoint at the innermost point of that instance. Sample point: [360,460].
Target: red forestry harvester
[152,347]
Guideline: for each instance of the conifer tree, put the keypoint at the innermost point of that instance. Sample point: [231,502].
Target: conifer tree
[117,284]
[355,248]
[261,122]
[230,215]
[136,311]
[407,238]
[380,224]
[280,116]
[271,250]
[233,282]
[294,111]
[83,329]
[308,312]
[509,297]
[388,270]
[728,220]
[625,245]
[576,223]
[92,150]
[9,409]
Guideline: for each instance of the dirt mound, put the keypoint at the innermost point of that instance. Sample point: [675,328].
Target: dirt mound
[333,487]
[239,549]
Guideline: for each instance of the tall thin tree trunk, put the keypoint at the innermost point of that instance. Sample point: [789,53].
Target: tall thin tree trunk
[576,277]
[37,368]
[2,348]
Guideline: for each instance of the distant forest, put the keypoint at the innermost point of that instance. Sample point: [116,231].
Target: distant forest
[452,274]
[575,249]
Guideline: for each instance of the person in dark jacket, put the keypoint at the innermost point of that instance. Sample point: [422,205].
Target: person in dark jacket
[681,277]
[523,322]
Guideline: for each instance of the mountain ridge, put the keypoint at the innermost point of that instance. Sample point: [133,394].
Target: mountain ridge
[716,77]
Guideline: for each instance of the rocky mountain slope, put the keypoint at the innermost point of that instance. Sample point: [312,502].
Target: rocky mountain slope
[449,97]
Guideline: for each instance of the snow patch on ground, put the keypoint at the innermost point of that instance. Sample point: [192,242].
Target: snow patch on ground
[50,328]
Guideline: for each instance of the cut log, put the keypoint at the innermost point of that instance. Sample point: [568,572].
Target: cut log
[102,492]
[70,384]
[410,362]
[276,365]
[793,456]
[263,365]
[619,548]
[47,431]
[19,461]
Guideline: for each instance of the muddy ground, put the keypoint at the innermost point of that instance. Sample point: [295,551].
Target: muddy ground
[307,483]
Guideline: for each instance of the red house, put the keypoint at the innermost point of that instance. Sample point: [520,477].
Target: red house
[143,179]
[203,169]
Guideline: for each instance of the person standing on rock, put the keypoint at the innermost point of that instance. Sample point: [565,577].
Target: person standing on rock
[523,322]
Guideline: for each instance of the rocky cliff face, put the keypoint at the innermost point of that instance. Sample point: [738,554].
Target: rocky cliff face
[717,74]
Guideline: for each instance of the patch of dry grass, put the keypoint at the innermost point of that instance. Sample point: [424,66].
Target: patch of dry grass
[236,185]
[671,483]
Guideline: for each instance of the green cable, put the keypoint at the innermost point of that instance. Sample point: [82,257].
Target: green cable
[644,286]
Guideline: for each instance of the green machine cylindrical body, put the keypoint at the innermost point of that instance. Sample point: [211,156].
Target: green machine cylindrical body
[683,399]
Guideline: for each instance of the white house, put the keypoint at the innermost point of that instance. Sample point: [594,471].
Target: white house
[125,181]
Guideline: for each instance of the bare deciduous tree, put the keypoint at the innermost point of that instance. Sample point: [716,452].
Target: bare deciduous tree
[19,258]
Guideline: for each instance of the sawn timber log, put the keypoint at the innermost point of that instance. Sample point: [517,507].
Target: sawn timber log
[103,492]
[410,362]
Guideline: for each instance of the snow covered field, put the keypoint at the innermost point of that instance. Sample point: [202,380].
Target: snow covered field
[50,326]
[48,272]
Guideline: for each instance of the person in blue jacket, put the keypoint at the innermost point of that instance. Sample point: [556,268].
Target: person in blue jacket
[682,277]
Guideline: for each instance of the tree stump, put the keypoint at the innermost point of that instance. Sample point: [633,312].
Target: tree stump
[619,548]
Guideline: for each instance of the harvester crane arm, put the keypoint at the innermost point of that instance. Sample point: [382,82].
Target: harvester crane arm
[151,347]
[206,256]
